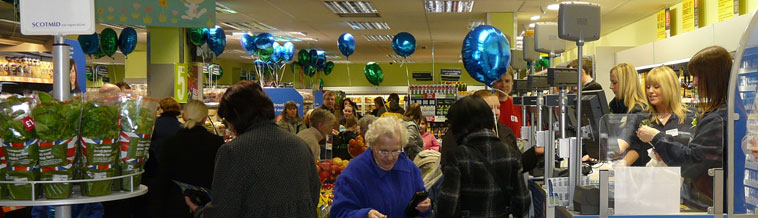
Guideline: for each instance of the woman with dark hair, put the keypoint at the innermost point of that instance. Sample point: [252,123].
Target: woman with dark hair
[379,107]
[291,121]
[465,190]
[395,107]
[711,67]
[412,118]
[264,171]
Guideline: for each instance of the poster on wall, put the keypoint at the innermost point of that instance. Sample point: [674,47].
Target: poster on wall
[689,15]
[661,25]
[166,13]
[76,54]
[727,9]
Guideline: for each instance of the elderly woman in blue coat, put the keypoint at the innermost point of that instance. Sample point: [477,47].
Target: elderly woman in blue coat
[381,181]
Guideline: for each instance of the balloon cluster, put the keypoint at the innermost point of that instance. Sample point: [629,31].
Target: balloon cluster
[486,54]
[107,42]
[271,56]
[214,37]
[313,61]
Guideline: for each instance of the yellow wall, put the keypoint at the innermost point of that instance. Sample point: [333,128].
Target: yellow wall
[165,45]
[504,21]
[136,65]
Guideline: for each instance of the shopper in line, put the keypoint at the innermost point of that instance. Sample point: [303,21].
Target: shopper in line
[629,93]
[711,68]
[467,191]
[364,123]
[381,181]
[347,102]
[430,142]
[531,156]
[394,109]
[347,112]
[411,119]
[510,114]
[587,80]
[351,132]
[329,101]
[379,107]
[264,171]
[291,121]
[666,114]
[188,157]
[321,126]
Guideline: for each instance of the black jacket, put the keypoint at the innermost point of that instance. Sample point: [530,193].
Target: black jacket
[166,127]
[617,106]
[188,157]
[592,86]
[529,158]
[672,132]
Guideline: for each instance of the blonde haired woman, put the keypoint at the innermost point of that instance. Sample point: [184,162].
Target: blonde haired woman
[630,95]
[669,120]
[188,157]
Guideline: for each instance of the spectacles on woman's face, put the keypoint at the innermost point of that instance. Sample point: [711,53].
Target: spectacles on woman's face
[387,153]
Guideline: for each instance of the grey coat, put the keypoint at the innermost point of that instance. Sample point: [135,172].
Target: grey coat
[264,172]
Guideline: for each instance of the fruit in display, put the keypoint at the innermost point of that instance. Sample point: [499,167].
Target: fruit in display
[356,146]
[329,170]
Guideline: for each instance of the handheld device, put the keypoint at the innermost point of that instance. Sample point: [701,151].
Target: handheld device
[410,210]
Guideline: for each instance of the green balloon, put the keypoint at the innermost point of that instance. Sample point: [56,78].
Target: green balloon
[265,54]
[328,68]
[216,72]
[108,41]
[197,36]
[310,70]
[320,84]
[303,57]
[373,73]
[99,54]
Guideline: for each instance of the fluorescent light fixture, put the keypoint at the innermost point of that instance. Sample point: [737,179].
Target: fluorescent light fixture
[474,24]
[223,9]
[333,57]
[298,33]
[535,17]
[448,6]
[254,25]
[553,7]
[249,57]
[378,37]
[239,33]
[531,25]
[404,61]
[363,25]
[394,56]
[352,8]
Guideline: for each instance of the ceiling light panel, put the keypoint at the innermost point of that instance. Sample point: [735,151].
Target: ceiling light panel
[248,26]
[448,6]
[352,8]
[223,9]
[361,25]
[378,37]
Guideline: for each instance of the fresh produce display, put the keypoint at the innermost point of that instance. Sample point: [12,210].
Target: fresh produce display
[99,132]
[325,200]
[137,122]
[57,125]
[356,146]
[20,144]
[329,170]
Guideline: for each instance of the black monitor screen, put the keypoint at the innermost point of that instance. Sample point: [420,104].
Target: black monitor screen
[594,106]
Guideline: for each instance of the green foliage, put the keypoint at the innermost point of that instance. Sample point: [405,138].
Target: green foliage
[12,112]
[99,121]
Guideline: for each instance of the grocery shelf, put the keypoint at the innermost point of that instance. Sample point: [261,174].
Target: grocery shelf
[25,79]
[76,198]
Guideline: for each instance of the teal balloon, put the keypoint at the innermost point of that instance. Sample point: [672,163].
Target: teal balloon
[486,54]
[248,44]
[314,57]
[217,40]
[108,41]
[276,56]
[127,41]
[328,68]
[288,51]
[346,44]
[264,41]
[310,71]
[197,36]
[303,57]
[404,44]
[373,73]
[90,43]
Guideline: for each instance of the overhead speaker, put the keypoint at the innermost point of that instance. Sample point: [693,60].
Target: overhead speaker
[529,53]
[579,21]
[546,38]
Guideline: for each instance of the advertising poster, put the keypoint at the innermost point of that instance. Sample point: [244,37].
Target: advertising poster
[661,25]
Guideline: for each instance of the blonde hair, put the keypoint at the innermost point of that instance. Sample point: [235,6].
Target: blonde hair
[194,113]
[630,88]
[387,126]
[665,77]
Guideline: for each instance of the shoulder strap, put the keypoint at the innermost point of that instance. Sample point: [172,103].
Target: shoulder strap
[499,181]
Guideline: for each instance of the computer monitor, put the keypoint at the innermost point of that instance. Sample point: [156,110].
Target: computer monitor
[594,106]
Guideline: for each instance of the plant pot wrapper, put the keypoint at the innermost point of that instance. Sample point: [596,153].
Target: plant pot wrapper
[137,122]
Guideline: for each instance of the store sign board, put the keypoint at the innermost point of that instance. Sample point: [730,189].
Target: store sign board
[45,17]
[181,83]
[451,74]
[689,15]
[281,96]
[661,25]
[422,76]
[727,9]
[167,13]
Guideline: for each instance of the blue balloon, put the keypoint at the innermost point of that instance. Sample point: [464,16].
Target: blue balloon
[216,40]
[90,43]
[264,41]
[288,51]
[277,55]
[346,44]
[321,63]
[404,44]
[248,43]
[127,40]
[486,54]
[314,57]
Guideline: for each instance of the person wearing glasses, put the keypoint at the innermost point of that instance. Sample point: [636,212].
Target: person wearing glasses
[382,180]
[482,175]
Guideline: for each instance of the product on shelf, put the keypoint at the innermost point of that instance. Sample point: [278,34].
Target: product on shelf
[329,170]
[20,145]
[57,125]
[137,121]
[356,146]
[99,142]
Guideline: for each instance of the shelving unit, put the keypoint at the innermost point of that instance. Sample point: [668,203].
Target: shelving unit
[25,79]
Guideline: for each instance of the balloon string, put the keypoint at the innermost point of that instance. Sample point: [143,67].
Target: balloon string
[408,79]
[349,81]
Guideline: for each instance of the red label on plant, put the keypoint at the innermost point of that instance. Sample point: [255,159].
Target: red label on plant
[28,123]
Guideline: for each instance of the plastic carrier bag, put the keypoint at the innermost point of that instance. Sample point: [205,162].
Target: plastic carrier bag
[99,137]
[20,145]
[57,125]
[137,122]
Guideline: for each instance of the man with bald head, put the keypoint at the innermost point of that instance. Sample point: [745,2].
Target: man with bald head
[109,88]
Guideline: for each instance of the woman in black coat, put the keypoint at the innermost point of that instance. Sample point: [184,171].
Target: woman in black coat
[187,157]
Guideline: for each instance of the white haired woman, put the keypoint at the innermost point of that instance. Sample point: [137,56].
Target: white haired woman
[381,181]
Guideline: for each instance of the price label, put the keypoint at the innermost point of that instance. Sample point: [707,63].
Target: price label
[28,123]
